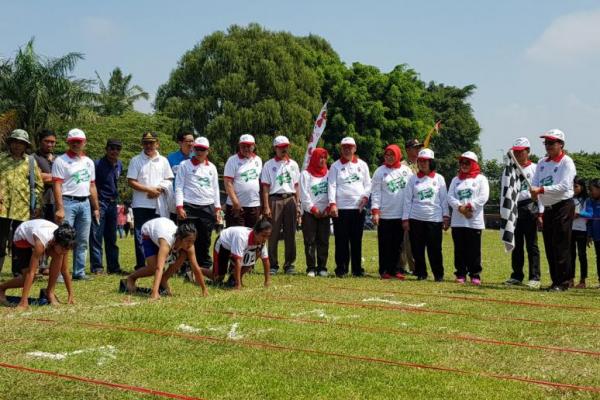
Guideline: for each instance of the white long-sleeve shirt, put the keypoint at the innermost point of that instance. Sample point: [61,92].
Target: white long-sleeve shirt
[313,192]
[387,191]
[556,177]
[426,198]
[197,183]
[349,182]
[472,192]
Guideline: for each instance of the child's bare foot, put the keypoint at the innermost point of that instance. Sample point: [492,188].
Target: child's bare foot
[130,285]
[3,300]
[165,288]
[580,285]
[52,299]
[154,297]
[22,306]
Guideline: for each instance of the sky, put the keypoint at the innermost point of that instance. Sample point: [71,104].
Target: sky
[536,63]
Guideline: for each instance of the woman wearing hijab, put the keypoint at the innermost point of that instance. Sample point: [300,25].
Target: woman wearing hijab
[387,201]
[425,214]
[468,193]
[315,217]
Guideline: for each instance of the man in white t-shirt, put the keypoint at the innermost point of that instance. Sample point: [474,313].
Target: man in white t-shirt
[281,200]
[149,174]
[73,176]
[242,184]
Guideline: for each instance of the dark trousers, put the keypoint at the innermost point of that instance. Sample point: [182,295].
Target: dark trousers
[427,235]
[204,219]
[48,212]
[467,252]
[390,237]
[105,231]
[558,223]
[578,245]
[247,216]
[526,234]
[597,248]
[140,217]
[283,217]
[348,231]
[316,241]
[7,230]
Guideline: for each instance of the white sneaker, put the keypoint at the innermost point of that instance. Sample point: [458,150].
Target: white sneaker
[533,284]
[311,274]
[323,273]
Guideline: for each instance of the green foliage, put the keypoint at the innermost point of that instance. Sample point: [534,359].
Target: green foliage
[119,95]
[492,169]
[37,88]
[587,164]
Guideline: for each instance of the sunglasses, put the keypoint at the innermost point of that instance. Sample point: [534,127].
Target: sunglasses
[200,149]
[550,142]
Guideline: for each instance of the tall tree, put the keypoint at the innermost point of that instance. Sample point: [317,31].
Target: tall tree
[118,95]
[34,87]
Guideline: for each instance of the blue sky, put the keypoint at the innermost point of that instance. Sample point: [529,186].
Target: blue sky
[536,63]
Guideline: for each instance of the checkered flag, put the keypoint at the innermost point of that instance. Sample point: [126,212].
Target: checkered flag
[512,179]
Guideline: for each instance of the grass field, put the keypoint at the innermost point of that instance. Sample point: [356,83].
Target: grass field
[308,338]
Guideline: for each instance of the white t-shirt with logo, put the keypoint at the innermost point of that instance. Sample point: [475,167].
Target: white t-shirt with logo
[75,173]
[158,228]
[387,191]
[349,182]
[473,191]
[313,192]
[426,199]
[148,172]
[245,173]
[239,241]
[282,176]
[36,228]
[556,178]
[197,184]
[524,194]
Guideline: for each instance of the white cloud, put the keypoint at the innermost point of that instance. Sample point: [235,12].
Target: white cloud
[568,40]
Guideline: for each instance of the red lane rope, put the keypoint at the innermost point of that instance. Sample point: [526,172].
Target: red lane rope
[440,312]
[374,329]
[475,299]
[269,346]
[97,382]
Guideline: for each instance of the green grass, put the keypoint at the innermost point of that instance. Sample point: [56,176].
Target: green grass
[156,354]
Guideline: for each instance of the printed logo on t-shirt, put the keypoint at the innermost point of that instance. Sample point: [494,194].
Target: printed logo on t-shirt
[319,188]
[285,177]
[352,178]
[547,181]
[249,175]
[83,175]
[425,194]
[203,181]
[524,186]
[394,185]
[464,194]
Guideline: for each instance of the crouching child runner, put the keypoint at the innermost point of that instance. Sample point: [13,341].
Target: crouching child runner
[166,243]
[236,250]
[32,240]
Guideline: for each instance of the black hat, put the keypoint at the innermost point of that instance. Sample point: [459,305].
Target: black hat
[414,143]
[150,137]
[114,142]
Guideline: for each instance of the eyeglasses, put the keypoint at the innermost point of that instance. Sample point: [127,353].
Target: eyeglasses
[550,142]
[465,162]
[200,149]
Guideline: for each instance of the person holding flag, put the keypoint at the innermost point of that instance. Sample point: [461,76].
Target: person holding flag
[525,233]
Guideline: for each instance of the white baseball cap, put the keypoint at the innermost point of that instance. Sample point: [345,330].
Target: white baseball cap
[554,134]
[201,142]
[247,139]
[348,141]
[281,141]
[75,134]
[426,154]
[521,143]
[469,155]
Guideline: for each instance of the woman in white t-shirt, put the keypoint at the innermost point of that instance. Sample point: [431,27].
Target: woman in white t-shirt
[31,241]
[236,251]
[163,243]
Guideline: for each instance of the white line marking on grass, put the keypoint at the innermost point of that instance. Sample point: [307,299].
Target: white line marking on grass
[187,328]
[233,333]
[380,300]
[106,353]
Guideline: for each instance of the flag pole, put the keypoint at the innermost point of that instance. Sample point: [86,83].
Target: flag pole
[436,128]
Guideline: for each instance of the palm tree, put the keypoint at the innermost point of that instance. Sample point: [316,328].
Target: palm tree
[118,96]
[33,87]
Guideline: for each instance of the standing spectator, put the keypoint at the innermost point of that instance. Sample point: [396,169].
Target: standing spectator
[553,184]
[74,177]
[281,201]
[468,193]
[197,198]
[146,175]
[406,258]
[425,214]
[387,200]
[121,220]
[579,235]
[185,140]
[44,157]
[129,225]
[349,189]
[241,180]
[592,211]
[315,217]
[108,171]
[412,152]
[526,227]
[19,174]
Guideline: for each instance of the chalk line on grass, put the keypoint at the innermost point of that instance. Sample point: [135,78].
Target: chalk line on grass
[107,353]
[395,302]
